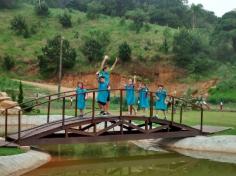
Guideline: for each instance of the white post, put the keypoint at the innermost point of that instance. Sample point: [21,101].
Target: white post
[60,67]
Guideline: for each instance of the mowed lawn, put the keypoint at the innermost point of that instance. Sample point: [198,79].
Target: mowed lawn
[5,151]
[226,119]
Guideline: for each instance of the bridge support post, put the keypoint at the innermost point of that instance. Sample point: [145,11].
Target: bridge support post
[172,110]
[76,104]
[6,121]
[201,128]
[181,115]
[151,104]
[93,106]
[19,125]
[49,108]
[63,111]
[121,102]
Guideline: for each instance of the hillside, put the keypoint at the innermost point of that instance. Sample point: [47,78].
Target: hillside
[149,61]
[144,45]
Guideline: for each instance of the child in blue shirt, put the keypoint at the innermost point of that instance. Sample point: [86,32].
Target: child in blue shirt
[161,105]
[81,97]
[143,97]
[130,94]
[102,95]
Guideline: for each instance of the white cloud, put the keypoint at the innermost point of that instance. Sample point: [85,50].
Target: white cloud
[220,7]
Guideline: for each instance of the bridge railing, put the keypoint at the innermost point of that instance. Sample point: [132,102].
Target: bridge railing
[61,97]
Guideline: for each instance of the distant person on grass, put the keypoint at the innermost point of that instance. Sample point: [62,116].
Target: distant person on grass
[81,97]
[105,72]
[103,93]
[161,105]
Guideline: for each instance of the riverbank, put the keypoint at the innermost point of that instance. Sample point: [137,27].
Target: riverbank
[215,148]
[22,163]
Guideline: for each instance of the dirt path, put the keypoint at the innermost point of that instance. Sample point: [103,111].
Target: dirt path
[51,87]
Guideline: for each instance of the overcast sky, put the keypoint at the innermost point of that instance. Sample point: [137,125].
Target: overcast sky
[220,7]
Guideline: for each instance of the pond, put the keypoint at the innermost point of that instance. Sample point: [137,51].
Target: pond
[125,159]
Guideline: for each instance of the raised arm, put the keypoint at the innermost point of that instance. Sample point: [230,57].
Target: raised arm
[104,61]
[114,64]
[135,79]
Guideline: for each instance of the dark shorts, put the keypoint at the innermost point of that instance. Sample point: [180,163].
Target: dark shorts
[102,103]
[109,96]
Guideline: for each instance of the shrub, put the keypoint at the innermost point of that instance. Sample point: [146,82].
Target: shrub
[21,94]
[65,20]
[125,52]
[41,9]
[19,25]
[8,62]
[48,61]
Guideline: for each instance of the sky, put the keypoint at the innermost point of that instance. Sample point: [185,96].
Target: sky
[220,7]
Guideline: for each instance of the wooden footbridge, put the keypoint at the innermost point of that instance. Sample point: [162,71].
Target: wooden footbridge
[96,128]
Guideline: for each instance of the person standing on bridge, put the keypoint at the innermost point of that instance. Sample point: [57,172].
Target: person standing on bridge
[161,105]
[143,97]
[130,95]
[102,97]
[105,72]
[81,97]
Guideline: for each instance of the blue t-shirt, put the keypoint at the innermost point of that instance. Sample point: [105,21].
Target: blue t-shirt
[102,92]
[143,98]
[130,94]
[81,93]
[106,75]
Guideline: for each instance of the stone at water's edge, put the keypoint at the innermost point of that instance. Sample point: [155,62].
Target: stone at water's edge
[20,164]
[224,144]
[5,102]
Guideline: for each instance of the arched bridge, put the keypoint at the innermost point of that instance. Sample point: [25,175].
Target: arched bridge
[70,128]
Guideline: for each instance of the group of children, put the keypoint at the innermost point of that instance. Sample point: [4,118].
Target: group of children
[103,96]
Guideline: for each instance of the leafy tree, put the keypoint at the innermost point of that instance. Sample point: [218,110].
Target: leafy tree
[8,3]
[190,52]
[19,25]
[94,9]
[224,38]
[41,8]
[95,45]
[195,9]
[165,45]
[125,52]
[49,60]
[65,20]
[8,62]
[21,94]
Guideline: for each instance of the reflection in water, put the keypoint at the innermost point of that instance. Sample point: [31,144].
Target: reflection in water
[123,159]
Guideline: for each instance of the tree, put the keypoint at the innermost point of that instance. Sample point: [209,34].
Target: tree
[165,45]
[190,52]
[21,94]
[95,45]
[8,3]
[8,62]
[224,37]
[19,26]
[41,8]
[196,10]
[65,20]
[49,60]
[94,9]
[125,52]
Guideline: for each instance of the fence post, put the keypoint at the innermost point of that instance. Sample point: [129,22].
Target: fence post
[172,110]
[49,109]
[6,119]
[181,115]
[93,106]
[76,104]
[201,128]
[121,102]
[151,104]
[19,125]
[63,111]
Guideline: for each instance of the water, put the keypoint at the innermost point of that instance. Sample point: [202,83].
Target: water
[125,159]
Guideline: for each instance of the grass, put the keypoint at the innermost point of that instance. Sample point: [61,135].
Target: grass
[6,151]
